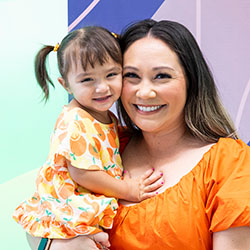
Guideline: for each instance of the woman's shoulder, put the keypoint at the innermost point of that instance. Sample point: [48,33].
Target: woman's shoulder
[226,180]
[229,149]
[228,159]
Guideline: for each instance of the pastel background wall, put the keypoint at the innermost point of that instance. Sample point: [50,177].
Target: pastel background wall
[222,28]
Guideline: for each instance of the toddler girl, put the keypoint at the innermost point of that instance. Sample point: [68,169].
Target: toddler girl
[83,171]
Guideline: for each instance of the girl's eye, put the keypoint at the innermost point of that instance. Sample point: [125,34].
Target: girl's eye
[86,80]
[130,75]
[112,74]
[162,76]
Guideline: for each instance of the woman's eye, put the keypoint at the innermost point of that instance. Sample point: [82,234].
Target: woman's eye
[130,75]
[162,76]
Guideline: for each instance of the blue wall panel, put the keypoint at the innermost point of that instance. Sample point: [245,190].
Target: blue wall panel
[113,15]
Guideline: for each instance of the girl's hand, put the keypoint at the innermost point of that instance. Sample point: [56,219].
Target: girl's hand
[143,187]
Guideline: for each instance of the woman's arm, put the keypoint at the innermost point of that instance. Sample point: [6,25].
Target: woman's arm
[134,190]
[78,243]
[237,238]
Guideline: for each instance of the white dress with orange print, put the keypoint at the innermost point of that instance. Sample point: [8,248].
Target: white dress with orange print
[60,208]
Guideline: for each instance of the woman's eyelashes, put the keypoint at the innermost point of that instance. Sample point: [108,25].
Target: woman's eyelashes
[162,76]
[159,76]
[130,75]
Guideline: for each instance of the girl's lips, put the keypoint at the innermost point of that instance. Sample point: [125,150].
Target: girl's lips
[102,99]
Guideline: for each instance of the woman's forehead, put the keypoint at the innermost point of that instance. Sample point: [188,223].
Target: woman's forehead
[150,51]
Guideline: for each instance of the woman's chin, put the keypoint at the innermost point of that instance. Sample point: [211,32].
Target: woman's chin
[148,126]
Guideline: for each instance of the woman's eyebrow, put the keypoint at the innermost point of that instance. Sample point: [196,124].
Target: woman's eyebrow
[130,68]
[163,67]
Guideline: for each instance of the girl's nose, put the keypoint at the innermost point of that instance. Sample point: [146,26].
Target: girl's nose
[102,87]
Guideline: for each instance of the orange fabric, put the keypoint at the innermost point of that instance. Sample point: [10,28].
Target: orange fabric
[212,197]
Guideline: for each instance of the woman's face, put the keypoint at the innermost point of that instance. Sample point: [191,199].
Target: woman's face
[154,86]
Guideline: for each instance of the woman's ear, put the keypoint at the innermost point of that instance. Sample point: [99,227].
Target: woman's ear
[63,83]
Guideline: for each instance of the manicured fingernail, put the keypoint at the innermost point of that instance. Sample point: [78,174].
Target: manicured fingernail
[124,171]
[162,183]
[153,169]
[161,174]
[156,192]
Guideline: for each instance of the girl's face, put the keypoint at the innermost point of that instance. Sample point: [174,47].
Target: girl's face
[154,86]
[95,89]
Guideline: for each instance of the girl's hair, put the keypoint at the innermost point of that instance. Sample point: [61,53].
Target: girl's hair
[205,116]
[90,45]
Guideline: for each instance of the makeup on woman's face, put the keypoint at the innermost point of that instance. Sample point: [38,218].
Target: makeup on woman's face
[154,85]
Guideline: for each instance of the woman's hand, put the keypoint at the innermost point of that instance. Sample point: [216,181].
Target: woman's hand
[84,242]
[143,187]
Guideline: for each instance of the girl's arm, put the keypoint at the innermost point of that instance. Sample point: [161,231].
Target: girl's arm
[237,238]
[134,190]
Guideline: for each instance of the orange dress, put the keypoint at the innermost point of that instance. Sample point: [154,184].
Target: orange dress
[60,208]
[212,197]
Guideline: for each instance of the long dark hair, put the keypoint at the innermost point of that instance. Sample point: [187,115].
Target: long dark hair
[205,116]
[90,44]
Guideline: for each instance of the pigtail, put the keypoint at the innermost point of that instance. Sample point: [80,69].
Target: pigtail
[41,72]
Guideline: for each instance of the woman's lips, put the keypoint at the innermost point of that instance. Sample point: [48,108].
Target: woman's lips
[148,108]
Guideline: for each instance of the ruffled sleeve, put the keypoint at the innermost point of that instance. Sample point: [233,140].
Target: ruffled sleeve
[78,139]
[227,182]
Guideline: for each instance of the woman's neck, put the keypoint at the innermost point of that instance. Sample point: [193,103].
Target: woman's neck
[167,143]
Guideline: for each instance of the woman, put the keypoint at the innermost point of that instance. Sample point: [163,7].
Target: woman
[176,124]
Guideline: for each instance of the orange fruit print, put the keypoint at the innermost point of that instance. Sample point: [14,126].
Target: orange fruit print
[101,133]
[78,146]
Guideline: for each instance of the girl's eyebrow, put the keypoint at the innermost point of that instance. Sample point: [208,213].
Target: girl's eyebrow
[114,68]
[90,73]
[83,75]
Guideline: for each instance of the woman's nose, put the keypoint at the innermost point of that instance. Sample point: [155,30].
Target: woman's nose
[145,91]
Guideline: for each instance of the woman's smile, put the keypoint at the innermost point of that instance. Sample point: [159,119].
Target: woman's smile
[145,109]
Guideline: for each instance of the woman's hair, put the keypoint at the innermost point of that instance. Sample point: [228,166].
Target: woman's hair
[205,116]
[90,45]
